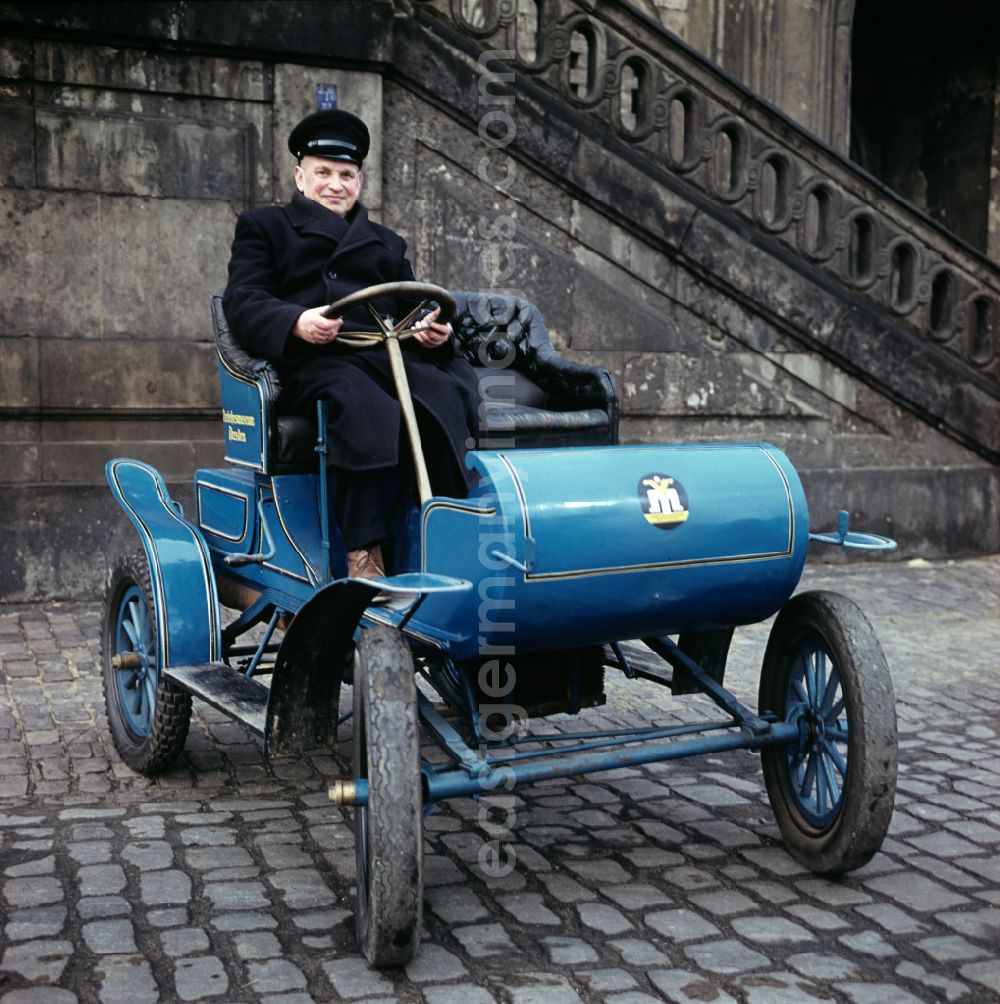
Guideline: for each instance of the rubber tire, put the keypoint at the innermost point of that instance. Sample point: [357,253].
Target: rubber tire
[388,831]
[856,833]
[156,751]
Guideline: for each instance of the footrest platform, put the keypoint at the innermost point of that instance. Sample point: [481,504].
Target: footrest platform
[241,697]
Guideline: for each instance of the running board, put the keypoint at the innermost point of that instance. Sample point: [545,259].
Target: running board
[241,697]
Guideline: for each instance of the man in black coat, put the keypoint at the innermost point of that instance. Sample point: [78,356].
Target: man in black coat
[288,264]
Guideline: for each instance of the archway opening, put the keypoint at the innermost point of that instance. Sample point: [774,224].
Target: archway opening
[923,93]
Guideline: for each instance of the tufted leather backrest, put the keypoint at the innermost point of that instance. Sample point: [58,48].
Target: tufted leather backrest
[233,354]
[490,325]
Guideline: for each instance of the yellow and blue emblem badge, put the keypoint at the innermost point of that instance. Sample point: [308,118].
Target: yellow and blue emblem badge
[664,501]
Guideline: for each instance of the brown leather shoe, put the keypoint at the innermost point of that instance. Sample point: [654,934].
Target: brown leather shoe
[365,563]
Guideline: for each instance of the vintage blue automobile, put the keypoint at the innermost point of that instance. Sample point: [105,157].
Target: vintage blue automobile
[509,604]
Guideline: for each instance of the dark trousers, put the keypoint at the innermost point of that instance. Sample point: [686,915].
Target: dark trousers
[366,503]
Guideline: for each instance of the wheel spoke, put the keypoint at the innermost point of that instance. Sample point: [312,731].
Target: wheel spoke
[836,759]
[809,659]
[822,795]
[800,693]
[136,613]
[404,324]
[808,778]
[832,689]
[150,687]
[133,635]
[832,784]
[838,733]
[798,679]
[379,320]
[145,628]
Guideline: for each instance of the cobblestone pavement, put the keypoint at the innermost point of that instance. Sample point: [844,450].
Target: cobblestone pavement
[230,879]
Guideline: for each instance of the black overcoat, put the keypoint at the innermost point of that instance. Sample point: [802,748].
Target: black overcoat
[289,258]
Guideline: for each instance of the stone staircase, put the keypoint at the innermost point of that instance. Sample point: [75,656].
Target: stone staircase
[775,282]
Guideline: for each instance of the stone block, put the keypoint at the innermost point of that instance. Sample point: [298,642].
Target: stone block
[614,362]
[17,137]
[132,69]
[540,130]
[20,462]
[900,362]
[19,373]
[38,292]
[160,262]
[149,142]
[15,58]
[978,411]
[821,375]
[156,19]
[152,265]
[916,507]
[596,232]
[677,383]
[137,154]
[81,463]
[762,278]
[543,133]
[635,194]
[515,260]
[125,374]
[75,450]
[126,430]
[349,29]
[730,320]
[614,311]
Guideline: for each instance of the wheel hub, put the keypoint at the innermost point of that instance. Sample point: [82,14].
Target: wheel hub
[816,729]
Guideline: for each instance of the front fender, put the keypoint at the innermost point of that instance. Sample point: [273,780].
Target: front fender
[318,646]
[188,629]
[305,682]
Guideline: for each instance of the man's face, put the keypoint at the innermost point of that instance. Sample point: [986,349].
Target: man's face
[335,184]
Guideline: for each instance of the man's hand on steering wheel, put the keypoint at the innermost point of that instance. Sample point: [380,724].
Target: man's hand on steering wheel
[314,327]
[429,332]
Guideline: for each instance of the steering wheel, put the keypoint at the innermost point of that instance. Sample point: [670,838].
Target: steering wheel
[388,328]
[390,333]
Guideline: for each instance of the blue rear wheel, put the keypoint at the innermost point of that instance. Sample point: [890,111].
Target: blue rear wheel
[148,717]
[832,789]
[135,650]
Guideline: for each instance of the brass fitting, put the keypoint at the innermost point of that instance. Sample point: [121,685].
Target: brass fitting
[342,793]
[126,660]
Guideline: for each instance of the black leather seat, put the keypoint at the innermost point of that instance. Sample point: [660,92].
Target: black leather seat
[532,396]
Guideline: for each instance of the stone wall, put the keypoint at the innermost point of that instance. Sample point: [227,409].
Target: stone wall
[123,166]
[129,143]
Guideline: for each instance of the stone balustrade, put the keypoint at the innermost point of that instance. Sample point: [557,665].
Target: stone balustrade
[672,107]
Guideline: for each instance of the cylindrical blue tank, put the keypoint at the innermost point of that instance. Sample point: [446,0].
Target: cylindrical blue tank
[573,547]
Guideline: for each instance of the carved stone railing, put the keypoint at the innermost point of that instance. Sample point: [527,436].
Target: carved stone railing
[671,105]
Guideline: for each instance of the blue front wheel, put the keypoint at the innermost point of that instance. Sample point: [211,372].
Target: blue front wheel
[148,717]
[833,788]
